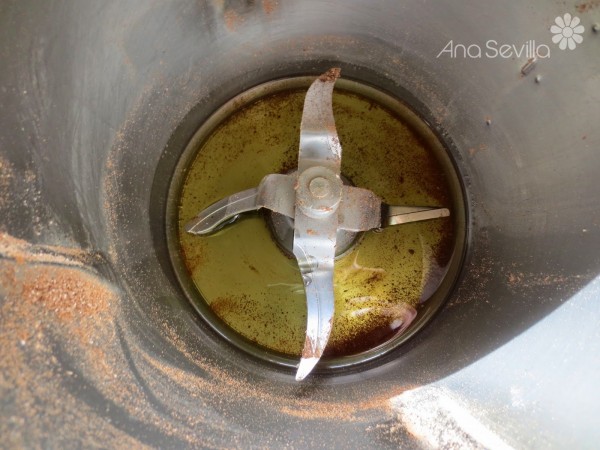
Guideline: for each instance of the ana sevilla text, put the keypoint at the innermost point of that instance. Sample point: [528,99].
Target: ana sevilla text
[493,49]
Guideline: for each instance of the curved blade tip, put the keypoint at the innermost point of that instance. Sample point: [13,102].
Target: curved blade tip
[331,75]
[192,225]
[305,367]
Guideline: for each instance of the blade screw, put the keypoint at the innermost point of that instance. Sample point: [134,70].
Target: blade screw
[320,187]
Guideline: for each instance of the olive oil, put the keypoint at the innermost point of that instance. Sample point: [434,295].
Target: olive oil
[242,274]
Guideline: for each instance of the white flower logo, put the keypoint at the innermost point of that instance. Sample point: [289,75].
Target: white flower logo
[567,32]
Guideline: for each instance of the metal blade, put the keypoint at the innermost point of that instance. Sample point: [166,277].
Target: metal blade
[360,210]
[212,218]
[321,206]
[397,215]
[318,194]
[319,142]
[275,192]
[315,255]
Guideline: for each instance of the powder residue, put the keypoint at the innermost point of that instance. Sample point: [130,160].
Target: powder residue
[59,339]
[232,19]
[587,6]
[269,6]
[64,332]
[221,384]
[49,299]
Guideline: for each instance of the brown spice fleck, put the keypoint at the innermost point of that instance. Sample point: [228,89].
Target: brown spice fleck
[587,6]
[269,6]
[331,75]
[232,20]
[311,349]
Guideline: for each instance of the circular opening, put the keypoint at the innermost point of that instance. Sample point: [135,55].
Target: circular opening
[387,284]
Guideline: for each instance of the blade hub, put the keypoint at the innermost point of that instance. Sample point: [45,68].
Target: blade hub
[318,192]
[319,187]
[282,230]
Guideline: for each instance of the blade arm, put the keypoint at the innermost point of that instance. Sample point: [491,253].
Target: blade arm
[320,308]
[360,210]
[398,215]
[275,192]
[224,211]
[319,142]
[315,257]
[315,233]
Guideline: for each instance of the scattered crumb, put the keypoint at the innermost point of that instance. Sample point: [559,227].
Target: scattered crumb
[331,75]
[269,6]
[232,20]
[587,6]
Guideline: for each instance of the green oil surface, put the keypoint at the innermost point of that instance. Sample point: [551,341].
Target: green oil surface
[256,289]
